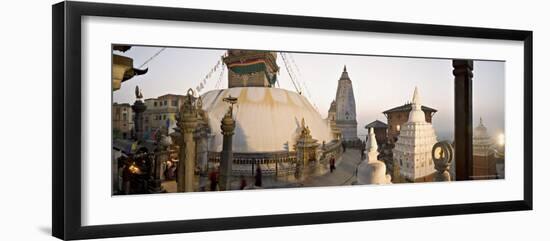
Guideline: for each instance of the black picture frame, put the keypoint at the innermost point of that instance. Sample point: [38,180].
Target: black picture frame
[66,127]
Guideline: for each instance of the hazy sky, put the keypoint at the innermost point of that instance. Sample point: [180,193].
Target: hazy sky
[379,83]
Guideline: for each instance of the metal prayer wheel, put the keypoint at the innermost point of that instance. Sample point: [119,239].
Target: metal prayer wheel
[442,156]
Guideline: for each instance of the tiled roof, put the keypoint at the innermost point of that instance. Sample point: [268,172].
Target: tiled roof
[170,95]
[376,124]
[408,107]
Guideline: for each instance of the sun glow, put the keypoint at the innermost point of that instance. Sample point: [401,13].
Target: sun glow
[500,139]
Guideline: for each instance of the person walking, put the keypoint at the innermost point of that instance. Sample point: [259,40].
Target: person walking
[213,179]
[258,176]
[332,164]
[363,148]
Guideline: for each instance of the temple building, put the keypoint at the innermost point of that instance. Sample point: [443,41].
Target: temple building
[331,119]
[380,131]
[413,150]
[484,161]
[399,115]
[371,170]
[271,124]
[345,117]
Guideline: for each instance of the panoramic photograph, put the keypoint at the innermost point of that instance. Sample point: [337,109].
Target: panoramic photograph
[203,120]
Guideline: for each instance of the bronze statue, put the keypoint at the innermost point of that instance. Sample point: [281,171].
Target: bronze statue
[138,93]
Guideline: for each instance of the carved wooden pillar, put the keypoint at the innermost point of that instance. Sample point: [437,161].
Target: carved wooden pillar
[463,118]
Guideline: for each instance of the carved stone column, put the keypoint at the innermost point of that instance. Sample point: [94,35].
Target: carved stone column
[187,123]
[202,157]
[138,108]
[201,138]
[161,156]
[226,162]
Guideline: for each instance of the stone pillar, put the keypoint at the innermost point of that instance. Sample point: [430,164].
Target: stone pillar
[202,158]
[187,123]
[138,108]
[301,155]
[463,118]
[299,172]
[201,136]
[161,156]
[226,161]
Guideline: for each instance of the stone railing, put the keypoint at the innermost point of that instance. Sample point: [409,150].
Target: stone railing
[271,163]
[281,163]
[333,148]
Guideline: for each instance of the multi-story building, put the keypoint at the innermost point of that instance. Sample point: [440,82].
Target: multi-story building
[122,120]
[161,113]
[380,130]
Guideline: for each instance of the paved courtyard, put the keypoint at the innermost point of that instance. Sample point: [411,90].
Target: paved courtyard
[344,174]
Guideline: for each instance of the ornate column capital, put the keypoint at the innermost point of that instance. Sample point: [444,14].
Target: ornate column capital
[228,124]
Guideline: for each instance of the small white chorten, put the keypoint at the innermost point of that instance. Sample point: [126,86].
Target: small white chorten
[372,170]
[413,149]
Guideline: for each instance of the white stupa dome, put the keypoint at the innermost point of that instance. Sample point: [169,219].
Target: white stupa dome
[267,119]
[372,170]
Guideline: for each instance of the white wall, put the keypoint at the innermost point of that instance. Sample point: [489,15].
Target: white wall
[26,69]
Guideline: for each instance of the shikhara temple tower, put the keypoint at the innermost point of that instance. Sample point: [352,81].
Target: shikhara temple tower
[345,117]
[412,152]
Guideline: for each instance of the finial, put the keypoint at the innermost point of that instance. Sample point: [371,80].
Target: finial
[303,123]
[231,100]
[372,145]
[190,92]
[345,70]
[199,102]
[416,96]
